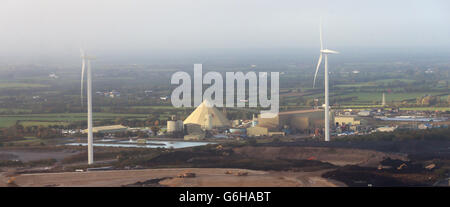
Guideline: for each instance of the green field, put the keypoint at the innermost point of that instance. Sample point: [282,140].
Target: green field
[375,83]
[368,107]
[426,108]
[42,123]
[6,110]
[394,80]
[367,98]
[51,119]
[30,141]
[370,97]
[6,85]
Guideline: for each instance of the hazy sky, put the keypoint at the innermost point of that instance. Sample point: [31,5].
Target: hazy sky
[52,26]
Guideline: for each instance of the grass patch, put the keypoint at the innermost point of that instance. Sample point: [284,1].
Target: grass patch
[21,85]
[51,119]
[42,123]
[426,109]
[370,97]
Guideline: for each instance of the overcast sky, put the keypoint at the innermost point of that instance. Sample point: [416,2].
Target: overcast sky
[52,26]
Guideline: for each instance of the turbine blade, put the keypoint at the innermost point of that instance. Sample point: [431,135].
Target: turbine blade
[317,69]
[83,65]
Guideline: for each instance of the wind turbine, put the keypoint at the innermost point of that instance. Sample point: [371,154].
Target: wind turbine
[325,53]
[87,59]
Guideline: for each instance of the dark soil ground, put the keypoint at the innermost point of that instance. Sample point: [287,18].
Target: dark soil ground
[148,183]
[356,176]
[345,161]
[417,149]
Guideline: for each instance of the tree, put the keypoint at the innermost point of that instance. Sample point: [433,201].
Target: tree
[142,134]
[155,130]
[429,100]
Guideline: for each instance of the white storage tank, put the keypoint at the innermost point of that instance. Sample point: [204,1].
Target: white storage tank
[171,126]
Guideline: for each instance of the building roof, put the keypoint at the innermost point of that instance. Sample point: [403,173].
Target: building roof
[107,128]
[198,116]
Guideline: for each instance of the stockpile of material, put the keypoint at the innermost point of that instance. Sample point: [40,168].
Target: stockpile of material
[206,115]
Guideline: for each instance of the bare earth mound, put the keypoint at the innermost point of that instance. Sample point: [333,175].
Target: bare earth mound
[335,156]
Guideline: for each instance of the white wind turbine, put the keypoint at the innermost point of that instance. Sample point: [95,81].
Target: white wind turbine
[325,52]
[84,59]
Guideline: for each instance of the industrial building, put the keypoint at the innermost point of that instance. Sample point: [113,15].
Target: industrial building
[386,129]
[107,129]
[347,120]
[205,120]
[257,131]
[174,126]
[299,121]
[194,132]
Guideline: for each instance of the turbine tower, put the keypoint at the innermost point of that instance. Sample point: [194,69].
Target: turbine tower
[87,60]
[325,53]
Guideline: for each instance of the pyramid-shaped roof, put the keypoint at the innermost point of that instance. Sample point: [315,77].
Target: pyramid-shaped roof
[199,116]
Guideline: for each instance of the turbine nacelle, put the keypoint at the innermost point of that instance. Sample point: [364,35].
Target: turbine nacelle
[327,51]
[88,57]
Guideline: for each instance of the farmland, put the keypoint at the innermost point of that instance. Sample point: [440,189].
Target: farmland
[15,85]
[28,95]
[58,119]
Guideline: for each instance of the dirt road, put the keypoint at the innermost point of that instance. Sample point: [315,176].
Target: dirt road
[204,177]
